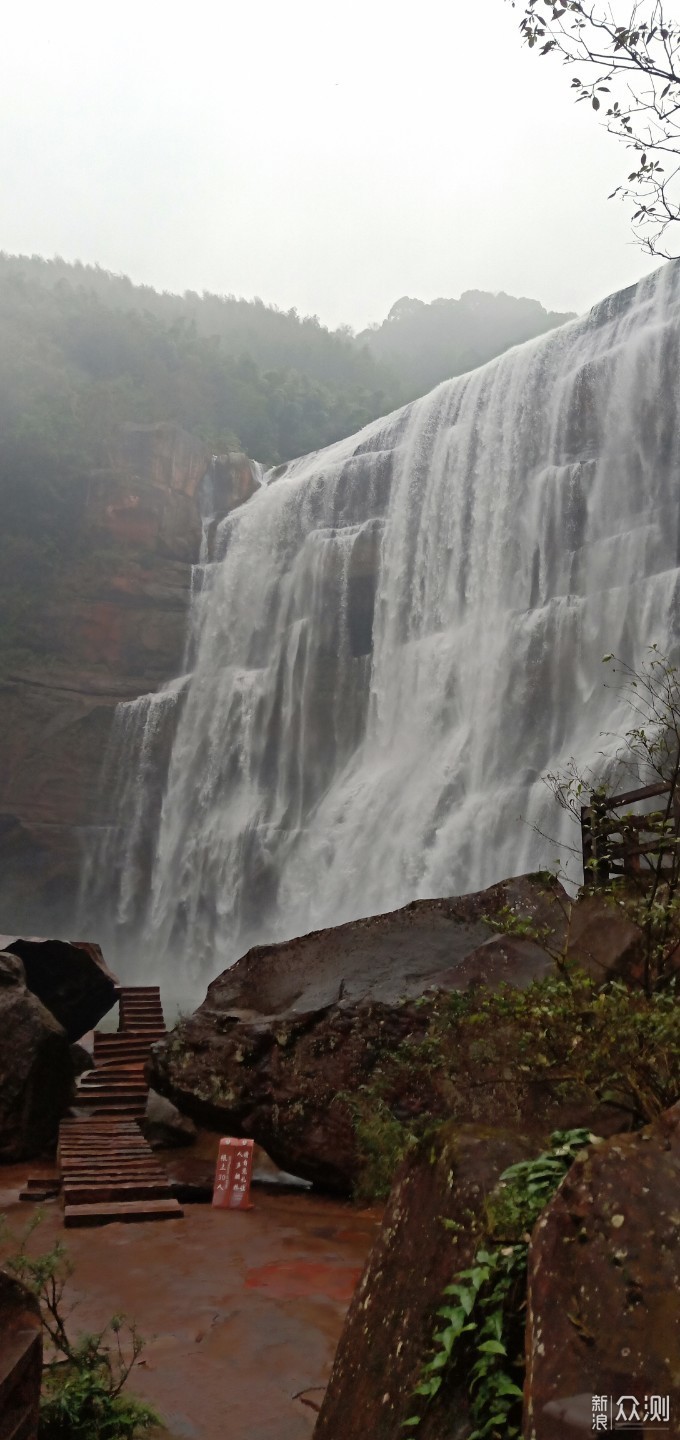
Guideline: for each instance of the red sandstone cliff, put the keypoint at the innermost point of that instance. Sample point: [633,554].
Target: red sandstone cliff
[110,629]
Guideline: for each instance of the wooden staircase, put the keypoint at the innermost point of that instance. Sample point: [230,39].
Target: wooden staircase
[109,1171]
[117,1086]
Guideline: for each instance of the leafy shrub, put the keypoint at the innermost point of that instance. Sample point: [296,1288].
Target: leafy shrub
[585,1044]
[483,1316]
[83,1379]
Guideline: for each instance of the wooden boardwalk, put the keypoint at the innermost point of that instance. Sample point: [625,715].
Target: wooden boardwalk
[109,1172]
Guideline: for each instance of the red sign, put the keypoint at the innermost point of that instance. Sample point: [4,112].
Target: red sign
[232,1175]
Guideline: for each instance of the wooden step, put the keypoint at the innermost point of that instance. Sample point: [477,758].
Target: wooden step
[92,1192]
[111,1060]
[134,1084]
[109,1170]
[139,989]
[120,1041]
[91,1164]
[106,1172]
[130,1109]
[125,1109]
[129,1210]
[106,1093]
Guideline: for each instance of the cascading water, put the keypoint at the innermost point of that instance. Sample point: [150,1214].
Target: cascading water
[404,632]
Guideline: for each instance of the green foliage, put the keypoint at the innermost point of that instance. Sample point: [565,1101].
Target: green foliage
[85,350]
[382,1142]
[83,1378]
[613,1045]
[630,65]
[483,1330]
[508,922]
[78,1404]
[582,1043]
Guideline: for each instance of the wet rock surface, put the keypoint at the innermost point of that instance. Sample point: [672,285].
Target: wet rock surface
[392,1318]
[292,1030]
[604,1281]
[241,1311]
[72,980]
[36,1067]
[163,1125]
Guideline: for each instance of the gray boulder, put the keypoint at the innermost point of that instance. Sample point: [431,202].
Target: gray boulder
[36,1068]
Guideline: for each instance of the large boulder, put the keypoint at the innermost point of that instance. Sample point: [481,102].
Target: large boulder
[604,1281]
[36,1068]
[70,978]
[604,942]
[292,1033]
[388,1332]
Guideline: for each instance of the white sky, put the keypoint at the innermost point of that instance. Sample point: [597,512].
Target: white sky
[331,158]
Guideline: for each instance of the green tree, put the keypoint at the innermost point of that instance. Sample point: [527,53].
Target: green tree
[83,1376]
[629,72]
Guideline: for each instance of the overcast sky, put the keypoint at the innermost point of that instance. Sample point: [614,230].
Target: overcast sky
[331,157]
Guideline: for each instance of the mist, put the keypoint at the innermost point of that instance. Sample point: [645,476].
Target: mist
[323,160]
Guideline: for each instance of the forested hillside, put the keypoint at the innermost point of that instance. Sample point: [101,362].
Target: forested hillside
[424,344]
[82,350]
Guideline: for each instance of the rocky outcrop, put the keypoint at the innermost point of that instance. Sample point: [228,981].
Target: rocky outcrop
[163,1125]
[71,979]
[604,1279]
[110,626]
[36,1068]
[287,1040]
[388,1332]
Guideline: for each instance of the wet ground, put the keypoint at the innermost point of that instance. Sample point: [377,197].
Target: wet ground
[242,1311]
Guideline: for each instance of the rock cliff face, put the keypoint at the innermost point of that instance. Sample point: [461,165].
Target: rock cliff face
[110,629]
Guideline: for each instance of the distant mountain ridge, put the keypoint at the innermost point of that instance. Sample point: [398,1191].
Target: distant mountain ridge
[426,343]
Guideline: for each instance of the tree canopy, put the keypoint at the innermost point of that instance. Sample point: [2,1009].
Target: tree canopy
[629,71]
[83,350]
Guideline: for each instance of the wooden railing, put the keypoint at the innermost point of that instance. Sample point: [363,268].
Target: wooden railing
[630,846]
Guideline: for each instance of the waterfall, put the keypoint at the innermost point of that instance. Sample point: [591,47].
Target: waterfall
[402,633]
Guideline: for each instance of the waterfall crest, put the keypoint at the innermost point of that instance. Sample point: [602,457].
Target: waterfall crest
[403,632]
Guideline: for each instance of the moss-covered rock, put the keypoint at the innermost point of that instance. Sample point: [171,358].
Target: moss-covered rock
[604,1281]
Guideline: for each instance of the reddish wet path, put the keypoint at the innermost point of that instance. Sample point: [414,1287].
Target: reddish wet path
[242,1312]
